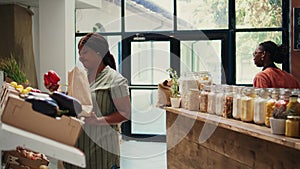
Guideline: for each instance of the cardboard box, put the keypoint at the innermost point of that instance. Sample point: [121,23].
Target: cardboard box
[19,113]
[14,159]
[7,90]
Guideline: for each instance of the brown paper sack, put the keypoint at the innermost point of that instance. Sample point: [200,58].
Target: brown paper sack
[164,94]
[79,88]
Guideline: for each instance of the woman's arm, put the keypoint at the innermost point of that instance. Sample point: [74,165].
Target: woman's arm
[122,114]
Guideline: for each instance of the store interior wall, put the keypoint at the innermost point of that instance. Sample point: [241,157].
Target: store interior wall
[295,54]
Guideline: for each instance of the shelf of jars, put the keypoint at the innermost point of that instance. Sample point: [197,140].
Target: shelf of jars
[271,114]
[247,128]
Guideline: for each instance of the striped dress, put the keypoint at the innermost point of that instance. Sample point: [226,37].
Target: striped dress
[100,144]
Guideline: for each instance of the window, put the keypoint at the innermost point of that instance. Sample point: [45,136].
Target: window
[152,15]
[215,35]
[258,14]
[203,55]
[202,14]
[246,44]
[104,19]
[256,21]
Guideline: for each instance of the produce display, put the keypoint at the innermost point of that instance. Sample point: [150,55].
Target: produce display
[43,104]
[24,158]
[20,88]
[30,154]
[53,104]
[67,103]
[51,79]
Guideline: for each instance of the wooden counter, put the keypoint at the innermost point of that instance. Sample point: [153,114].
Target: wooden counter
[200,140]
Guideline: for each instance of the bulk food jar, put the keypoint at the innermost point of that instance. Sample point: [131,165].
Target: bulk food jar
[219,99]
[188,80]
[270,105]
[193,100]
[293,107]
[247,103]
[203,98]
[228,102]
[260,105]
[211,100]
[281,104]
[236,104]
[205,79]
[292,124]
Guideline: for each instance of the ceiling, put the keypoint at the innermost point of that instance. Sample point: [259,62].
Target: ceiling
[80,4]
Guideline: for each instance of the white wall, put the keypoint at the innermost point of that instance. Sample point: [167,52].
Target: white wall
[56,39]
[36,42]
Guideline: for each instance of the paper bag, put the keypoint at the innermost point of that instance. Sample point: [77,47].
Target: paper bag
[164,94]
[79,88]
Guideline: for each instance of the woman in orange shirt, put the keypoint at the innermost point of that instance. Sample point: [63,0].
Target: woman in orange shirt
[271,76]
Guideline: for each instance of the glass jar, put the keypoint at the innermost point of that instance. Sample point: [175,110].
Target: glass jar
[205,79]
[228,102]
[247,103]
[281,104]
[236,104]
[293,107]
[270,103]
[203,98]
[193,100]
[219,99]
[292,126]
[211,100]
[260,105]
[187,81]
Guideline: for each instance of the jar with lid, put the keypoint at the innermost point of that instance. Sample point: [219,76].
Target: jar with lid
[193,100]
[187,81]
[236,104]
[247,103]
[211,100]
[293,107]
[205,79]
[228,102]
[260,105]
[270,105]
[219,99]
[292,126]
[203,98]
[281,104]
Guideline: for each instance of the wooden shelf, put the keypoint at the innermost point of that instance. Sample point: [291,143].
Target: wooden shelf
[251,129]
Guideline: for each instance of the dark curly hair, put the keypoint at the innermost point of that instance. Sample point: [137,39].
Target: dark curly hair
[277,53]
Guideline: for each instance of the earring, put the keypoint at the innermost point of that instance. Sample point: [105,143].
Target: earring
[262,58]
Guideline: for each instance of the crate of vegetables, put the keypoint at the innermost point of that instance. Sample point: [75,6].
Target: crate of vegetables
[24,158]
[39,119]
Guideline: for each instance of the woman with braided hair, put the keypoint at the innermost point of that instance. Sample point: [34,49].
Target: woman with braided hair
[271,76]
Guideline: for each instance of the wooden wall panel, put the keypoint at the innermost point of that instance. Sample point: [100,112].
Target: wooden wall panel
[224,149]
